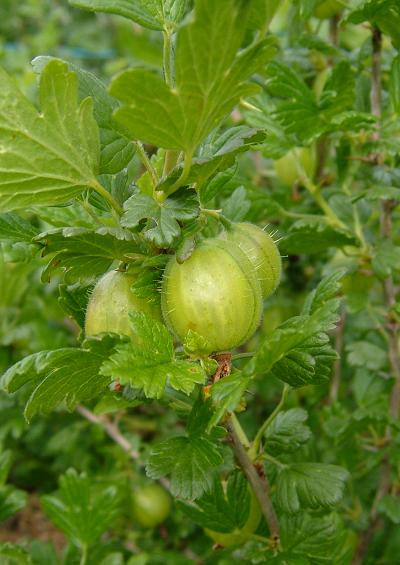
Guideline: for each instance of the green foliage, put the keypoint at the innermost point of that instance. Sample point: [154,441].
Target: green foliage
[190,461]
[151,128]
[299,352]
[222,511]
[82,253]
[287,432]
[310,485]
[156,14]
[148,361]
[65,135]
[81,511]
[209,81]
[165,215]
[67,375]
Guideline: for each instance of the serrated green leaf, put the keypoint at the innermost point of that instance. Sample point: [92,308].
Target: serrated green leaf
[68,375]
[313,537]
[195,344]
[153,14]
[216,156]
[300,114]
[14,554]
[222,511]
[226,395]
[384,14]
[190,462]
[296,354]
[310,485]
[148,361]
[116,150]
[16,229]
[299,351]
[64,135]
[82,253]
[262,13]
[209,81]
[366,354]
[237,205]
[305,236]
[287,432]
[181,206]
[81,511]
[389,505]
[11,502]
[338,93]
[73,300]
[386,259]
[325,292]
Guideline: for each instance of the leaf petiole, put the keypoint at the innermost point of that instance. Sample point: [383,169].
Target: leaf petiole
[257,440]
[107,196]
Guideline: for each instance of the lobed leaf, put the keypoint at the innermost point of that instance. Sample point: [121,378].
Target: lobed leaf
[81,511]
[165,215]
[63,376]
[310,485]
[190,461]
[82,253]
[148,361]
[153,14]
[116,150]
[49,157]
[209,81]
[287,432]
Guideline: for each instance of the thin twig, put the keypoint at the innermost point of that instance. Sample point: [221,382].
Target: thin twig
[389,291]
[259,484]
[115,434]
[112,431]
[147,163]
[270,419]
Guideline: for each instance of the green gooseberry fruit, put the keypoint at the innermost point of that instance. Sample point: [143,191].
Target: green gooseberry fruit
[215,293]
[262,252]
[110,303]
[151,505]
[287,168]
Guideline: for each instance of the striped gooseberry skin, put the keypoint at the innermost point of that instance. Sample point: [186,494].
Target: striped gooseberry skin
[262,252]
[214,293]
[110,303]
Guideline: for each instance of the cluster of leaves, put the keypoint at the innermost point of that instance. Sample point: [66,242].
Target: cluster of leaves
[95,176]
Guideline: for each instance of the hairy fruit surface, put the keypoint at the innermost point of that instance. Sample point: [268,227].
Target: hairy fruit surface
[215,293]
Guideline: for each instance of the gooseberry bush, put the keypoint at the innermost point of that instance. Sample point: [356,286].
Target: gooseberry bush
[209,364]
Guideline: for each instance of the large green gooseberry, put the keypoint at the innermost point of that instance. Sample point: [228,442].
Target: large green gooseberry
[215,293]
[287,168]
[110,303]
[239,536]
[151,505]
[262,252]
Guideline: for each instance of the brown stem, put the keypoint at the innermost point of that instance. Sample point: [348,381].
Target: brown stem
[376,91]
[390,300]
[389,291]
[334,30]
[111,430]
[258,482]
